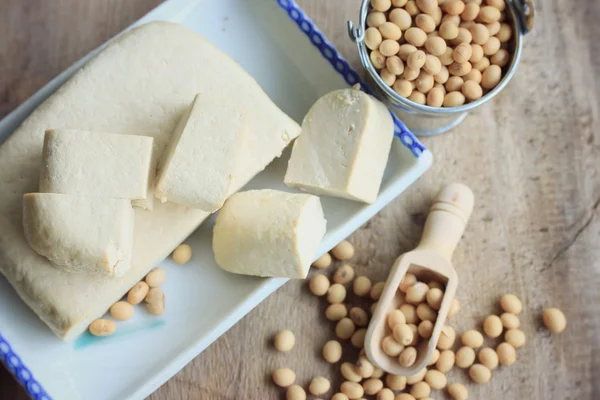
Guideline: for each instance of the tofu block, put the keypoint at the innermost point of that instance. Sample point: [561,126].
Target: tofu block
[344,147]
[198,166]
[79,233]
[269,233]
[98,164]
[141,83]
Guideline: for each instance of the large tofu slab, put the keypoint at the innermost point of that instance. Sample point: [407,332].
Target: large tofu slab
[269,233]
[344,147]
[198,167]
[98,164]
[80,234]
[141,84]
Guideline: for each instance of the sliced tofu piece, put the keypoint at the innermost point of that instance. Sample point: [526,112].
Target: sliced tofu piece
[268,233]
[98,164]
[344,147]
[198,166]
[80,233]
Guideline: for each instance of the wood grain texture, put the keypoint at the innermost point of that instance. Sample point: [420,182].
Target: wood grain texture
[532,157]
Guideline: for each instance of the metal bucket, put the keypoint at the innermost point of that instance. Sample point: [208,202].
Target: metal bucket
[424,120]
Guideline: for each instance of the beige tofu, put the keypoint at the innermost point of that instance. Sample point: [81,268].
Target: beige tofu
[199,164]
[269,233]
[88,163]
[344,147]
[79,233]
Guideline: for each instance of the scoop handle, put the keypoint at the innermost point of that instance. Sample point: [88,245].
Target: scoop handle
[447,218]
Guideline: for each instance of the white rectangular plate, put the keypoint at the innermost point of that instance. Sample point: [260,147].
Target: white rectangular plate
[281,48]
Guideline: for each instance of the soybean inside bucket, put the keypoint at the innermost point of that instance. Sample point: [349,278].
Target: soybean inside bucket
[425,120]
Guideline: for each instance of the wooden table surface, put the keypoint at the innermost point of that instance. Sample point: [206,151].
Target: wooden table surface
[532,157]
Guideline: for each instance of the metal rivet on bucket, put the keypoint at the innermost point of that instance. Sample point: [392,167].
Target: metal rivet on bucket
[425,120]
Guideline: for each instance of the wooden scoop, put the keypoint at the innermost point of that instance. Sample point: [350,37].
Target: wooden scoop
[429,261]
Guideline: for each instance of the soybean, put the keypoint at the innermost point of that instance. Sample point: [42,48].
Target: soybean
[435,45]
[350,373]
[323,262]
[284,340]
[465,357]
[472,338]
[424,84]
[182,254]
[361,286]
[372,386]
[381,5]
[462,53]
[407,357]
[391,347]
[472,91]
[155,301]
[373,38]
[515,337]
[446,339]
[295,392]
[102,327]
[156,277]
[425,328]
[510,321]
[480,34]
[345,328]
[395,65]
[407,282]
[489,80]
[122,311]
[416,60]
[457,390]
[138,293]
[401,18]
[335,312]
[488,357]
[336,293]
[377,59]
[376,290]
[415,36]
[507,354]
[435,98]
[454,99]
[319,385]
[426,313]
[395,317]
[501,58]
[319,285]
[436,379]
[352,389]
[343,251]
[375,18]
[425,22]
[432,65]
[420,390]
[395,382]
[345,273]
[332,351]
[390,30]
[446,361]
[418,292]
[359,316]
[480,373]
[418,97]
[492,326]
[554,319]
[284,377]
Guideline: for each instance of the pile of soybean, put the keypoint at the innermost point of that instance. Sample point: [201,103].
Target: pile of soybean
[362,379]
